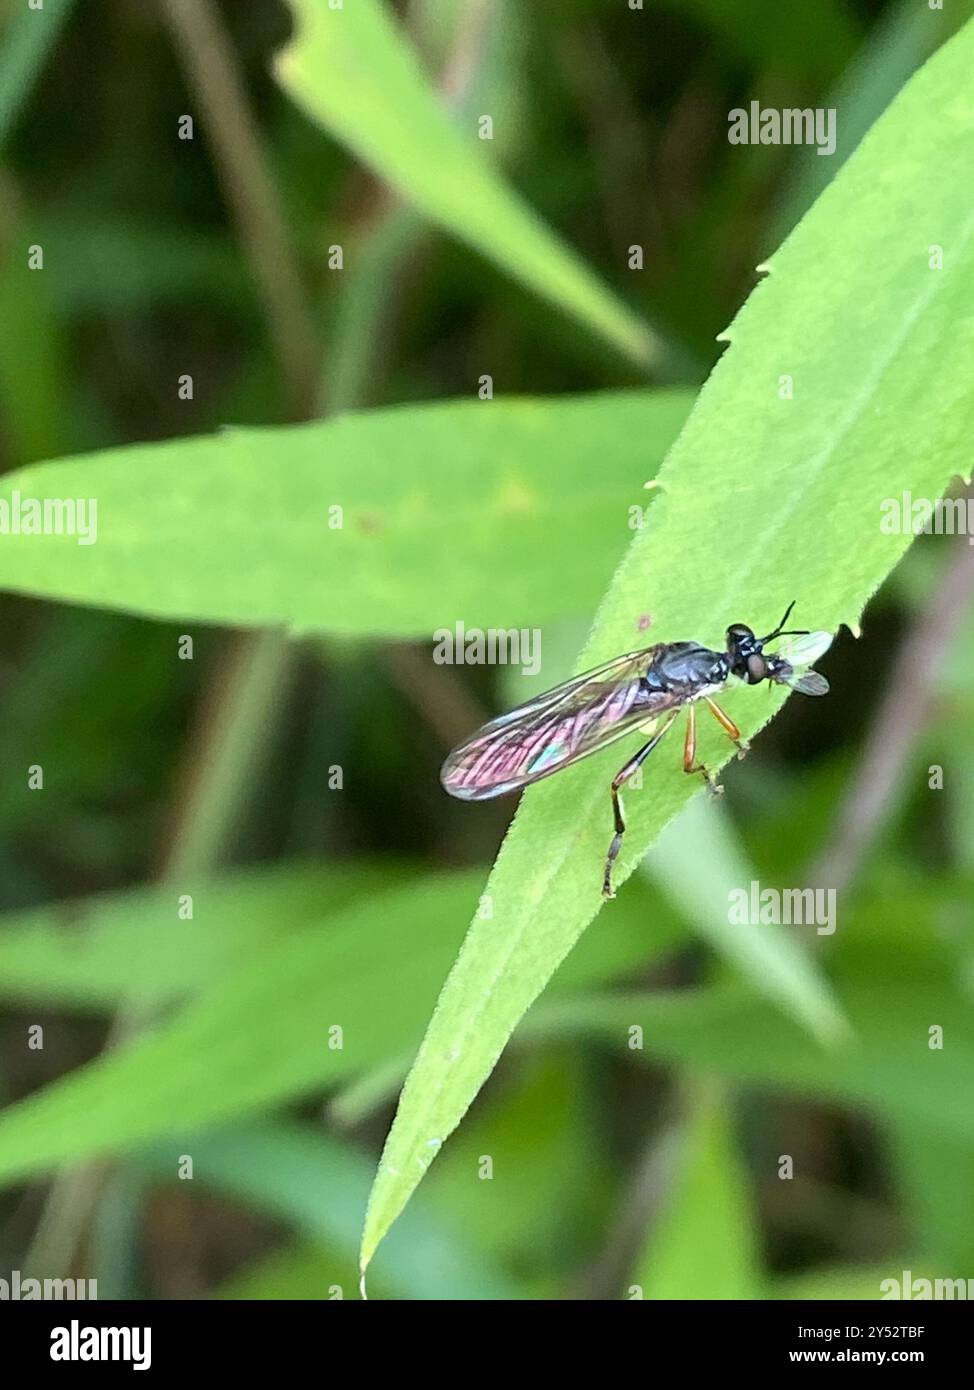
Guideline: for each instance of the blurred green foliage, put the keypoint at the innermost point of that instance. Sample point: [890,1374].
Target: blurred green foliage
[289,790]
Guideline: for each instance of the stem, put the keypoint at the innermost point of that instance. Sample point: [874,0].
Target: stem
[902,714]
[211,67]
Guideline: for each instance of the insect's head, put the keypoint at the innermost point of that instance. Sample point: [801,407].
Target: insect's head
[745,652]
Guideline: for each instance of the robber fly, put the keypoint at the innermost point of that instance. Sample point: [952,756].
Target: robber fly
[642,690]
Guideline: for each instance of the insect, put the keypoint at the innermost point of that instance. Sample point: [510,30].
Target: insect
[642,690]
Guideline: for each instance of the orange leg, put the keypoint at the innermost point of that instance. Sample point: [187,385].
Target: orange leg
[690,765]
[728,726]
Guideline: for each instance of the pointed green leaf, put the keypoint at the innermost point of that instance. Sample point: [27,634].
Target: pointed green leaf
[388,522]
[702,1243]
[353,71]
[831,397]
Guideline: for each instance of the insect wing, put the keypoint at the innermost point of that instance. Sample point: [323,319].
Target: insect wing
[805,648]
[556,729]
[800,651]
[808,683]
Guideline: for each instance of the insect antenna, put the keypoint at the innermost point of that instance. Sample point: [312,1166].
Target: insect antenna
[780,629]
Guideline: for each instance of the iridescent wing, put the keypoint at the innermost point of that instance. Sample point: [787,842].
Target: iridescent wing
[558,728]
[799,651]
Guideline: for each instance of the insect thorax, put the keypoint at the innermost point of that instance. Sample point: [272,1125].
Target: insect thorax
[688,669]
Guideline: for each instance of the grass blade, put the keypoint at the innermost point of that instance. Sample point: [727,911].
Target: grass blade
[353,71]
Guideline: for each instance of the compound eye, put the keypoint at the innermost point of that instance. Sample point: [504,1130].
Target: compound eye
[757,668]
[738,632]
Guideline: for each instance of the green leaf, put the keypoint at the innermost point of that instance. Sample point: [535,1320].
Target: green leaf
[28,39]
[152,265]
[540,1135]
[136,946]
[301,1270]
[902,38]
[259,1035]
[889,1070]
[354,73]
[319,1186]
[815,41]
[766,497]
[863,1282]
[261,1032]
[936,1177]
[703,1244]
[447,511]
[698,861]
[35,397]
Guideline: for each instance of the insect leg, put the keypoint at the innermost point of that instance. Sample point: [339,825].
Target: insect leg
[618,781]
[728,725]
[690,764]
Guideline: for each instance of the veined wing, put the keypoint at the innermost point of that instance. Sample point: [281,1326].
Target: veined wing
[803,648]
[799,651]
[558,728]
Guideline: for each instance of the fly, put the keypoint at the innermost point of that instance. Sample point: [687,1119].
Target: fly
[648,687]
